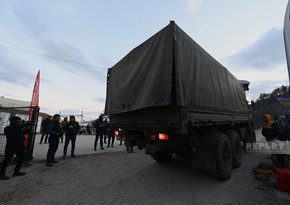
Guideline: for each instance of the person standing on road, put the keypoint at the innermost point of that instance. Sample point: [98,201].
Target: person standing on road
[129,143]
[281,129]
[62,125]
[44,125]
[267,129]
[105,130]
[55,132]
[88,129]
[111,135]
[99,132]
[287,127]
[72,128]
[15,135]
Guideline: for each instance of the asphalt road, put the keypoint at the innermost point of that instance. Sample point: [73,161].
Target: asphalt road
[115,177]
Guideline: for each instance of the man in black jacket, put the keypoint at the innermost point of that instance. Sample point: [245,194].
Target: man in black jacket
[99,132]
[71,129]
[54,130]
[15,135]
[44,125]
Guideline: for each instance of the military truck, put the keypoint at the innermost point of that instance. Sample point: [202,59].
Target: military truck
[173,97]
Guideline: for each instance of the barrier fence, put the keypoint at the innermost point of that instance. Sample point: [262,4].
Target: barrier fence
[23,112]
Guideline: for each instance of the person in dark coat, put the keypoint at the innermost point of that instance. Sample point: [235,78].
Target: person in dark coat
[287,127]
[44,125]
[71,129]
[129,143]
[54,130]
[88,129]
[282,130]
[105,130]
[111,135]
[62,125]
[15,135]
[99,132]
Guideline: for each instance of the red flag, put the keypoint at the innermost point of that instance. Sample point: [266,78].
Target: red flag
[34,102]
[35,95]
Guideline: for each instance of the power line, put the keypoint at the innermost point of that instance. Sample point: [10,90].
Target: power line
[17,13]
[31,22]
[44,80]
[34,53]
[28,63]
[17,76]
[17,61]
[51,57]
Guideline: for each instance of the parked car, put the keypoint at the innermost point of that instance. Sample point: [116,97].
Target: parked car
[83,129]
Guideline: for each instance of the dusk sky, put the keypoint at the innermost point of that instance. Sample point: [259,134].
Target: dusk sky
[74,42]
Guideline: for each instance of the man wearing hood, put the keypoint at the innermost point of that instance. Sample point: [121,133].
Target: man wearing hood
[15,135]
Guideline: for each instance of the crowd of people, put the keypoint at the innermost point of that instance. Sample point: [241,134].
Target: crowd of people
[277,129]
[54,132]
[104,133]
[70,129]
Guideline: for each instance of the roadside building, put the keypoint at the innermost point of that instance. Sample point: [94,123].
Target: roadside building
[10,107]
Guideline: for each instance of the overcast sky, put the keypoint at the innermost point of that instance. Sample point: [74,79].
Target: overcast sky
[73,43]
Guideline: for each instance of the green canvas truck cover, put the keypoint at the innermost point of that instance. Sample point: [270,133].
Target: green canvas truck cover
[171,69]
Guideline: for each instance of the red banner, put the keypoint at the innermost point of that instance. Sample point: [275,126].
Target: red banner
[34,102]
[35,95]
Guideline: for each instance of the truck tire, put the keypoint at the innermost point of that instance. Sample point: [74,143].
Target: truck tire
[162,156]
[224,159]
[250,136]
[236,147]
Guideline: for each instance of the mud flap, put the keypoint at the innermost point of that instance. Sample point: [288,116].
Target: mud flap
[203,154]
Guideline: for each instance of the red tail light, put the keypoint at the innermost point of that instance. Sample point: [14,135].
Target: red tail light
[162,136]
[116,132]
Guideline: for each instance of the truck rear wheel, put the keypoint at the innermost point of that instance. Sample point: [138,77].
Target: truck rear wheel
[250,136]
[236,147]
[162,156]
[224,159]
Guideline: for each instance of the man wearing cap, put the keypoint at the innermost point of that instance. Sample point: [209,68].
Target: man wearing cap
[15,135]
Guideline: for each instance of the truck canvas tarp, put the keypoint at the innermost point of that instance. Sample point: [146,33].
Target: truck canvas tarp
[169,96]
[171,69]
